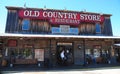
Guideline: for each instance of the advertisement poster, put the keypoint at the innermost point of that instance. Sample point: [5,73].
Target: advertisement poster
[39,54]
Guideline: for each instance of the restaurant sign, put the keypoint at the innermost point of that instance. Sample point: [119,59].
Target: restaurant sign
[61,17]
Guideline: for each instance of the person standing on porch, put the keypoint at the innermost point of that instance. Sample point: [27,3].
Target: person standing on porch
[62,55]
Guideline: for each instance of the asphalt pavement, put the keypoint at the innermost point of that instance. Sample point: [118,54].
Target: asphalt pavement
[96,69]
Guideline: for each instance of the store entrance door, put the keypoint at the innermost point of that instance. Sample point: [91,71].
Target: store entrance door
[64,54]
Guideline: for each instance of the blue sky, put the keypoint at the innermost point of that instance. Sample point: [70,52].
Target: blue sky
[97,6]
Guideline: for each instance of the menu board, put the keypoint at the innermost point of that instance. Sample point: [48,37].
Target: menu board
[39,54]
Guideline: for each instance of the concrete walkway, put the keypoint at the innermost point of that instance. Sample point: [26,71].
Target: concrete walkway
[108,70]
[93,69]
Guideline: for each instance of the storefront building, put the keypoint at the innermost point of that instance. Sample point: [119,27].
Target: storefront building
[49,37]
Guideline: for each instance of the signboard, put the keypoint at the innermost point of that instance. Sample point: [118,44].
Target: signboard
[57,30]
[39,54]
[12,43]
[61,17]
[74,31]
[64,28]
[63,43]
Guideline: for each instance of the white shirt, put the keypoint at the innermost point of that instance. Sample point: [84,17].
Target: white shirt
[62,54]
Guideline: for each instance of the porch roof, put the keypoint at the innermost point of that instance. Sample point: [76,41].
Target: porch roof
[57,36]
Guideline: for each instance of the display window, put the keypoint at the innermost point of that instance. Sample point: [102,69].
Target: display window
[21,53]
[25,54]
[97,55]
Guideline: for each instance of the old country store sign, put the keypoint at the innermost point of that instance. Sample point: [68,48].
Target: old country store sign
[61,17]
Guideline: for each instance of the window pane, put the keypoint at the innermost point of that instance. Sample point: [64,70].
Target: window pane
[25,25]
[98,29]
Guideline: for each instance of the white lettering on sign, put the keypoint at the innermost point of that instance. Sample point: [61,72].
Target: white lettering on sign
[51,14]
[61,17]
[67,21]
[31,13]
[90,17]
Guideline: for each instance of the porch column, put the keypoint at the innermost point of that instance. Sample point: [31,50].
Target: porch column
[84,52]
